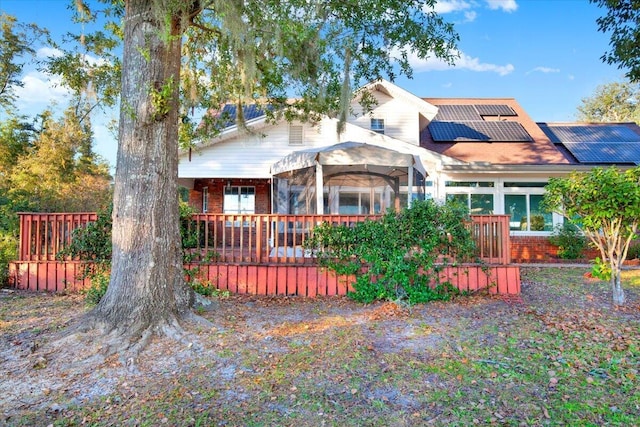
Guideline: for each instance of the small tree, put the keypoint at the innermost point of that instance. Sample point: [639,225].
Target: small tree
[605,204]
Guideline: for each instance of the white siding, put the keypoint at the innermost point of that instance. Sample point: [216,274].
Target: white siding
[400,118]
[251,155]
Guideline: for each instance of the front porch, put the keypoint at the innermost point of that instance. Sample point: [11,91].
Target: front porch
[256,254]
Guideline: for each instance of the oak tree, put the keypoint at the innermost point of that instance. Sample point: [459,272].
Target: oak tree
[622,21]
[181,56]
[612,102]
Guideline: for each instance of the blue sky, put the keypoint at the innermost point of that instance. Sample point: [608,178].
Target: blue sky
[544,53]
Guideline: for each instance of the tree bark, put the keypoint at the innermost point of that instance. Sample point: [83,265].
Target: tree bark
[616,287]
[147,291]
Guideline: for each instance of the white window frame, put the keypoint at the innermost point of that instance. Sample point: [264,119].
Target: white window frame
[377,125]
[238,211]
[205,199]
[472,189]
[527,191]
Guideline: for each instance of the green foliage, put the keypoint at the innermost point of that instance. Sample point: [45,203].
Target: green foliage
[161,98]
[569,239]
[611,102]
[16,41]
[605,204]
[601,270]
[258,52]
[208,289]
[398,256]
[634,251]
[621,22]
[93,242]
[58,171]
[99,284]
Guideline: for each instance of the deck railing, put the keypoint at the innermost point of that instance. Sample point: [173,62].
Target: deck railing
[44,235]
[243,238]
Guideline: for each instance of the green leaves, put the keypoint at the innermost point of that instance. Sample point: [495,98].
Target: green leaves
[399,255]
[605,204]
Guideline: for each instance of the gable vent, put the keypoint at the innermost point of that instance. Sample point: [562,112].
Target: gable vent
[295,135]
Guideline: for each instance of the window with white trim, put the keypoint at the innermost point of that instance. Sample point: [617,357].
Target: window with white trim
[239,200]
[205,199]
[478,196]
[523,202]
[377,125]
[296,134]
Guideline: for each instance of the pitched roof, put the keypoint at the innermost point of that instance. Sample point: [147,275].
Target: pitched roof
[597,143]
[493,130]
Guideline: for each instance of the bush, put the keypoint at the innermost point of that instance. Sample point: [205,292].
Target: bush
[569,239]
[634,251]
[397,257]
[99,284]
[8,252]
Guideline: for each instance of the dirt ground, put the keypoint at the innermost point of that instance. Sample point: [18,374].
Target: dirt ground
[45,379]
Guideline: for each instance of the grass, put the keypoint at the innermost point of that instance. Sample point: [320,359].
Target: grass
[565,356]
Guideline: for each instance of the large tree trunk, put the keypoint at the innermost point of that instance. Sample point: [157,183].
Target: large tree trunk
[147,292]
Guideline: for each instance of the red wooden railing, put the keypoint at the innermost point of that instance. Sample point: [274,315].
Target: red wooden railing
[244,238]
[44,235]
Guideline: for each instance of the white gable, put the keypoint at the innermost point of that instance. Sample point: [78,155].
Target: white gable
[403,114]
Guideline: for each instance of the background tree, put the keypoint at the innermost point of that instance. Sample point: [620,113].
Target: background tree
[612,102]
[605,204]
[253,51]
[44,167]
[16,41]
[621,21]
[60,173]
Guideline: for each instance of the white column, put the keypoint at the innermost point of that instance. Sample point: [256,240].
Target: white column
[410,185]
[319,189]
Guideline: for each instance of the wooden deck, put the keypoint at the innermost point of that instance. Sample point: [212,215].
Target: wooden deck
[253,254]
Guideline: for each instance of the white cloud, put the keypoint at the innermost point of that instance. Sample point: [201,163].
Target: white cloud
[48,52]
[448,6]
[463,62]
[505,5]
[470,16]
[40,89]
[545,70]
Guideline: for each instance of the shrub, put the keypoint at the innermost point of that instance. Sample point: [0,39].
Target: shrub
[634,251]
[397,257]
[99,283]
[569,239]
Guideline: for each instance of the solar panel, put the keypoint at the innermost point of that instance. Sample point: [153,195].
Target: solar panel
[456,113]
[605,152]
[478,131]
[228,113]
[590,133]
[495,110]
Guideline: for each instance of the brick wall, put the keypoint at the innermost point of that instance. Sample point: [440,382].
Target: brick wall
[215,188]
[538,249]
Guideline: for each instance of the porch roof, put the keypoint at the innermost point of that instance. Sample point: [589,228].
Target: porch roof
[349,153]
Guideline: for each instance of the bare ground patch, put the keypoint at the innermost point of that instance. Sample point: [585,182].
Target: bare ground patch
[563,353]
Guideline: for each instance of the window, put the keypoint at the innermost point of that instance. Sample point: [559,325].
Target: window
[239,200]
[526,213]
[205,199]
[478,204]
[522,201]
[377,125]
[476,195]
[296,135]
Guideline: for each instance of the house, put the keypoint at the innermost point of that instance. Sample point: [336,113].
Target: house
[487,153]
